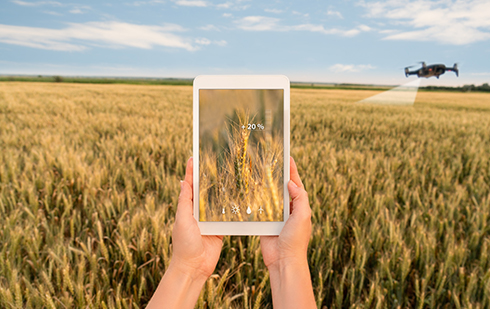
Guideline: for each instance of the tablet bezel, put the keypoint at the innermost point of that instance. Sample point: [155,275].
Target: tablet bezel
[240,82]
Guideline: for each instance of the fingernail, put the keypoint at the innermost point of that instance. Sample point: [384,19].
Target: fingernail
[181,185]
[293,183]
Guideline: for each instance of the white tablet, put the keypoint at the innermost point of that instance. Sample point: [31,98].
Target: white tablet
[241,154]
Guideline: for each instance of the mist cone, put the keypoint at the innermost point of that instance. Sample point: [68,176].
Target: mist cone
[401,95]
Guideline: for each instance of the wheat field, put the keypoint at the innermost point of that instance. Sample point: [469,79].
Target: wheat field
[89,181]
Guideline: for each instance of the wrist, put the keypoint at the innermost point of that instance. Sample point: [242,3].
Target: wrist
[187,273]
[179,288]
[280,266]
[291,284]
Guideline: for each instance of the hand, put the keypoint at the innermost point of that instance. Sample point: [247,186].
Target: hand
[192,252]
[194,256]
[285,255]
[292,244]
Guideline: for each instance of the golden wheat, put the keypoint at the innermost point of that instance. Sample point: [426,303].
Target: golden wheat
[89,181]
[246,176]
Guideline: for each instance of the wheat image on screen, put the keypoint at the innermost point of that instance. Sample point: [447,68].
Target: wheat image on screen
[241,154]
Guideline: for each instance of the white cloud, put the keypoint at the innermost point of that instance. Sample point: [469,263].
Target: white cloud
[300,14]
[259,23]
[209,28]
[364,28]
[263,23]
[36,3]
[335,13]
[351,68]
[388,31]
[321,29]
[225,5]
[233,5]
[197,3]
[152,2]
[53,13]
[75,8]
[220,43]
[203,41]
[275,11]
[446,21]
[77,37]
[227,15]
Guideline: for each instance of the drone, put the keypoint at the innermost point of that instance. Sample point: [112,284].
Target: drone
[431,70]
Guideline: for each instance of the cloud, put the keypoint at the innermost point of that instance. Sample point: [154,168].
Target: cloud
[220,43]
[445,21]
[209,28]
[80,36]
[76,11]
[335,13]
[225,5]
[351,68]
[275,11]
[197,3]
[236,5]
[204,41]
[300,14]
[259,23]
[36,3]
[75,8]
[53,13]
[152,2]
[263,23]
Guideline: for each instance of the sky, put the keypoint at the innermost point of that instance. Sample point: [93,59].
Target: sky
[339,41]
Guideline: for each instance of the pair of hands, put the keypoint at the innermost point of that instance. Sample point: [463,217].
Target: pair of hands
[197,255]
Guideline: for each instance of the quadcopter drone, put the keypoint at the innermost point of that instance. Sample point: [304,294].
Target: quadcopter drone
[431,70]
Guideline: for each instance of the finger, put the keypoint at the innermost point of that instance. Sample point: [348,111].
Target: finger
[267,239]
[300,205]
[293,173]
[220,237]
[184,208]
[188,171]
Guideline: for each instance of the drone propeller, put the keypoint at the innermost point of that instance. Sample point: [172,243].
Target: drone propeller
[423,64]
[455,69]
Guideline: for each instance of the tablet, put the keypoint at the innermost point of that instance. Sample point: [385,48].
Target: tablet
[241,154]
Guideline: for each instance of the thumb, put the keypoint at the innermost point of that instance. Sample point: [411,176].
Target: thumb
[184,207]
[300,204]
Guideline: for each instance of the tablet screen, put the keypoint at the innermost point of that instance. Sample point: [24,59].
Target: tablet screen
[241,145]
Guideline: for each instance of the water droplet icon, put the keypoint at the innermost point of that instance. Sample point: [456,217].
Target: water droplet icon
[249,211]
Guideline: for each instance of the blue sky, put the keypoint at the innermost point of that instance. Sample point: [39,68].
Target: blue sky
[353,41]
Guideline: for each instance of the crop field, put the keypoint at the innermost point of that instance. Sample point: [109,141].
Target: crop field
[89,182]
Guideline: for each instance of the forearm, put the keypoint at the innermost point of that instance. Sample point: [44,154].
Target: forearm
[177,289]
[291,285]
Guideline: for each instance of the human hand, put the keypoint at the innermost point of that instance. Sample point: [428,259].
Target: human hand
[193,253]
[194,256]
[285,255]
[292,243]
